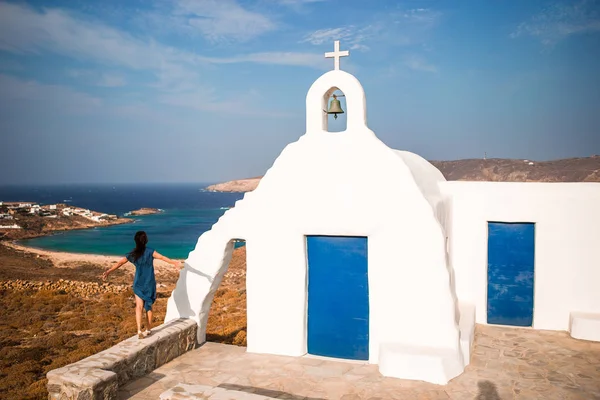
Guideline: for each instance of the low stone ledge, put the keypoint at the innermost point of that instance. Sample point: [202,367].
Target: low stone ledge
[100,375]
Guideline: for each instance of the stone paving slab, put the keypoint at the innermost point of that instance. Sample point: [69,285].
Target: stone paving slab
[507,363]
[203,392]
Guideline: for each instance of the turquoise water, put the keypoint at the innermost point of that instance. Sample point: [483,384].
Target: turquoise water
[173,233]
[189,212]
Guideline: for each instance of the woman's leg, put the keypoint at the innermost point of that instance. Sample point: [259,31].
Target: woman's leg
[139,308]
[149,318]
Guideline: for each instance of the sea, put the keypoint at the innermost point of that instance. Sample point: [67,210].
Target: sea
[188,211]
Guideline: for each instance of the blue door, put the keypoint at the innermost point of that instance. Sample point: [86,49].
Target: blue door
[338,297]
[511,253]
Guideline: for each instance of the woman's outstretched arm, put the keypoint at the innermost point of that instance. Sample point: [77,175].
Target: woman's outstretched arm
[117,265]
[165,259]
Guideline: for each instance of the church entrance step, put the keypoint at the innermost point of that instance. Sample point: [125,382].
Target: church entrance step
[585,326]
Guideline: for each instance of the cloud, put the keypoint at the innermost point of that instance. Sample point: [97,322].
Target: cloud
[297,2]
[161,72]
[560,21]
[328,35]
[221,20]
[110,80]
[206,100]
[55,97]
[10,65]
[400,28]
[60,99]
[298,6]
[23,30]
[278,58]
[36,97]
[352,36]
[424,17]
[96,78]
[417,63]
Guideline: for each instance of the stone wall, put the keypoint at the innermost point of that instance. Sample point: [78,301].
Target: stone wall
[78,288]
[100,375]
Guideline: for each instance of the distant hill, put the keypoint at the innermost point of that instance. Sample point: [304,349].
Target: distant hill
[585,169]
[240,185]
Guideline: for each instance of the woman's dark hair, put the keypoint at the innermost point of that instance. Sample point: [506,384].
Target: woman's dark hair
[141,239]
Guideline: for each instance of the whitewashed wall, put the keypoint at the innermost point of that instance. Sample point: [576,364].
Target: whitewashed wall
[567,243]
[346,184]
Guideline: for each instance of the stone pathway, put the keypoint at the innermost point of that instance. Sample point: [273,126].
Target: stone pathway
[507,363]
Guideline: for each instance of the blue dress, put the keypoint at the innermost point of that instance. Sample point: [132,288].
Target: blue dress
[144,282]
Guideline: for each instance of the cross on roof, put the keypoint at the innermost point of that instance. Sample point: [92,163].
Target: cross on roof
[336,54]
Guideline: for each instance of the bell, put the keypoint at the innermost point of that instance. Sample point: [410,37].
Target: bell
[335,107]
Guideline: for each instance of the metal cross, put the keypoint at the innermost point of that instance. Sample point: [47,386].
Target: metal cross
[336,54]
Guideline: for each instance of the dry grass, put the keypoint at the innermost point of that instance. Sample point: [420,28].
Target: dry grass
[45,330]
[227,317]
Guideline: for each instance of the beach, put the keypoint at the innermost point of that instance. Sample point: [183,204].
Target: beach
[62,259]
[73,260]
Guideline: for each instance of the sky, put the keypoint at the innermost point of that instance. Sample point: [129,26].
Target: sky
[148,91]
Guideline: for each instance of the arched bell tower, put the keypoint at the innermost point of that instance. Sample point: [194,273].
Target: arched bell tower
[321,90]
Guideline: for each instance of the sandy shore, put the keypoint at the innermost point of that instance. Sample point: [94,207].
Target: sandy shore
[71,260]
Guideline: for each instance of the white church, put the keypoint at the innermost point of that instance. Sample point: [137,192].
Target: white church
[357,251]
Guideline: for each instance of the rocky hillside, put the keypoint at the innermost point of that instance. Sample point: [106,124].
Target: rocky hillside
[505,170]
[240,185]
[34,225]
[496,170]
[53,315]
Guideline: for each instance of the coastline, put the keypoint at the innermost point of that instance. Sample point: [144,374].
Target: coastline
[62,259]
[66,259]
[24,233]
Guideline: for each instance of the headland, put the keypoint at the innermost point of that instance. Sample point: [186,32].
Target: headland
[240,185]
[582,169]
[25,220]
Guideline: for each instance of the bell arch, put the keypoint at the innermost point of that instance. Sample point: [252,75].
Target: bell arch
[319,94]
[342,119]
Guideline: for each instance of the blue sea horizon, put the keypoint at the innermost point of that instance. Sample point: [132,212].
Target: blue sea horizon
[189,211]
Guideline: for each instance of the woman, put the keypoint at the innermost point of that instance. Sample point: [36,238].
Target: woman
[144,283]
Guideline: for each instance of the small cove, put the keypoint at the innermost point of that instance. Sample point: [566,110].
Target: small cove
[188,212]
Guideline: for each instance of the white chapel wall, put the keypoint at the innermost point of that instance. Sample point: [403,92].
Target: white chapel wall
[567,243]
[428,178]
[347,184]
